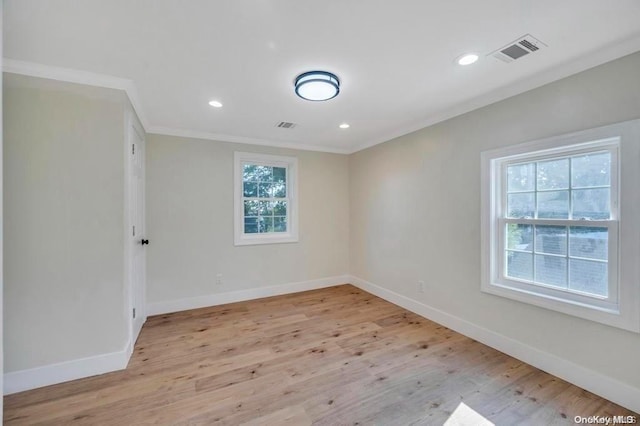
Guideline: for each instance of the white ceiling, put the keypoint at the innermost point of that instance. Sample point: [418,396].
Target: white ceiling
[395,58]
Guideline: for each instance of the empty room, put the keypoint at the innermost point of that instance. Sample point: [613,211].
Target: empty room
[281,212]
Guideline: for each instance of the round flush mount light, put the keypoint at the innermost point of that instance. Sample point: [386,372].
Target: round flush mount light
[317,86]
[467,59]
[215,104]
[344,126]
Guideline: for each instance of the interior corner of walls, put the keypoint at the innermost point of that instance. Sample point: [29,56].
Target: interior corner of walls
[23,380]
[607,387]
[86,78]
[207,300]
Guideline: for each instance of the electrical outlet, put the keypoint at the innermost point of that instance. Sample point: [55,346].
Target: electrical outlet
[218,279]
[421,286]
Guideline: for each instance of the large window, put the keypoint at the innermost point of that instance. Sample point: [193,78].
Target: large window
[265,199]
[552,224]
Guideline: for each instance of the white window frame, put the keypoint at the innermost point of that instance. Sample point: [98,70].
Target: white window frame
[291,164]
[622,306]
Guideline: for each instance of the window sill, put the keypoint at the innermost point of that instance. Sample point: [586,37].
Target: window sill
[265,239]
[610,317]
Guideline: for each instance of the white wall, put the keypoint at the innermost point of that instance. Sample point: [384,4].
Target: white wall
[63,228]
[190,221]
[415,213]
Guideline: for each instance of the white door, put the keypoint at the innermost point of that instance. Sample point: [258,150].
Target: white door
[138,238]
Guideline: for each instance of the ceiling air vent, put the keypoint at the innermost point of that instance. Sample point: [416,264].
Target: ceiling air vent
[519,48]
[286,125]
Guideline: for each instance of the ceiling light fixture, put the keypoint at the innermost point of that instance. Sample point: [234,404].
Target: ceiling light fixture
[344,126]
[467,59]
[215,104]
[317,86]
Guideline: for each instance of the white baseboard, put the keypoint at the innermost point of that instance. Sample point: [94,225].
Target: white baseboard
[52,374]
[157,308]
[604,386]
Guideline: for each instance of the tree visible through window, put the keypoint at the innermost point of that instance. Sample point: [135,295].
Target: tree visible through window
[571,255]
[264,198]
[559,224]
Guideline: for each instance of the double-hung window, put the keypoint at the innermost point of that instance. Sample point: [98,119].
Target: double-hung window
[265,199]
[552,225]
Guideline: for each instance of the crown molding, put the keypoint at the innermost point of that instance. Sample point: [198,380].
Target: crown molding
[572,66]
[70,75]
[169,131]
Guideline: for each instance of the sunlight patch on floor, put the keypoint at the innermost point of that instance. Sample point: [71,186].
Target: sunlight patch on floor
[464,415]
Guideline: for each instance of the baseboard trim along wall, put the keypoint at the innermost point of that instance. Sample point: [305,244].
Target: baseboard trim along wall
[157,308]
[52,374]
[604,386]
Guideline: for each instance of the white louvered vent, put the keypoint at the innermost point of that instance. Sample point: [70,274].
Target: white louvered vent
[521,47]
[285,125]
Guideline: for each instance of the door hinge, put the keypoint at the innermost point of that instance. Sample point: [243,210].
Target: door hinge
[134,230]
[133,149]
[134,313]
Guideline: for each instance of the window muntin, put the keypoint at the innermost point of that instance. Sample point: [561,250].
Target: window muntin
[265,193]
[574,187]
[265,198]
[577,236]
[570,258]
[562,253]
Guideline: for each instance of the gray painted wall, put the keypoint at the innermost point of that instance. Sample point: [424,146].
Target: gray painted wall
[415,213]
[63,227]
[190,221]
[393,214]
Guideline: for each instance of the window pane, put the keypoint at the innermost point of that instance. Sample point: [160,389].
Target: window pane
[591,203]
[553,174]
[521,177]
[264,190]
[250,189]
[249,172]
[280,208]
[519,236]
[520,205]
[590,277]
[520,265]
[551,270]
[251,208]
[551,239]
[264,173]
[265,224]
[279,190]
[589,242]
[279,174]
[280,224]
[591,170]
[553,205]
[250,225]
[265,208]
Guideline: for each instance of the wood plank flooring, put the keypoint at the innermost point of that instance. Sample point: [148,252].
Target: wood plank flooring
[336,356]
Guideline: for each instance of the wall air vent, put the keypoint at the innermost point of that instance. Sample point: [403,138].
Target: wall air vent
[285,125]
[519,48]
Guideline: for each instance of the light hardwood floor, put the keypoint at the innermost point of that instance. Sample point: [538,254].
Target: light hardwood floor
[336,356]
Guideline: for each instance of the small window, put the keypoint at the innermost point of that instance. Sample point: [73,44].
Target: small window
[552,230]
[265,199]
